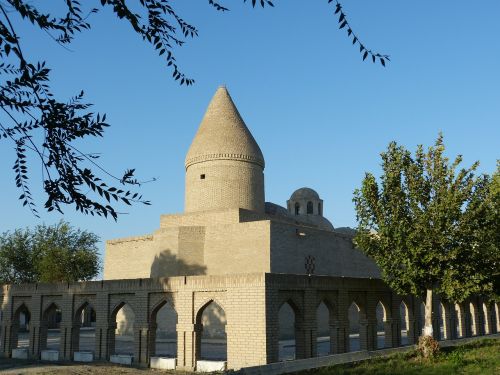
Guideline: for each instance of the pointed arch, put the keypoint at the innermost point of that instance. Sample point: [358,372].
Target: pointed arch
[404,318]
[459,326]
[163,331]
[50,336]
[288,312]
[486,319]
[84,328]
[211,320]
[324,315]
[381,313]
[20,335]
[473,319]
[122,318]
[354,317]
[78,312]
[443,321]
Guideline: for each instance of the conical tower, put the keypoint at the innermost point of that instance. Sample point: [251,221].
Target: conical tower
[224,165]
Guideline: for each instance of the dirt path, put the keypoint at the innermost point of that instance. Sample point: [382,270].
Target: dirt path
[9,366]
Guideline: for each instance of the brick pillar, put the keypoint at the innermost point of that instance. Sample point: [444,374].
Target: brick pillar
[11,333]
[417,314]
[481,328]
[110,340]
[65,341]
[102,333]
[152,339]
[66,333]
[141,329]
[492,318]
[74,340]
[301,340]
[338,341]
[141,345]
[305,339]
[411,331]
[36,334]
[101,342]
[450,322]
[188,345]
[343,323]
[392,328]
[368,333]
[467,320]
[309,323]
[42,336]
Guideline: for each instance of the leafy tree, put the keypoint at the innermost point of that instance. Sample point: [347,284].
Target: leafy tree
[430,226]
[31,111]
[48,254]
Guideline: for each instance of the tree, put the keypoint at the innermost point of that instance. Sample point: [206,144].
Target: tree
[429,226]
[48,254]
[31,112]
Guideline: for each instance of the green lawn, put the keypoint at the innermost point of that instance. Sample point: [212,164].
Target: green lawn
[480,357]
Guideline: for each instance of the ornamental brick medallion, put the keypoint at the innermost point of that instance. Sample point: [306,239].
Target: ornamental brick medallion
[310,264]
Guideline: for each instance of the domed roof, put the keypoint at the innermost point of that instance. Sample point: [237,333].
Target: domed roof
[223,135]
[304,193]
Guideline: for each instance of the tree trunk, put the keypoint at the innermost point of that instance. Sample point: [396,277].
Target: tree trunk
[428,331]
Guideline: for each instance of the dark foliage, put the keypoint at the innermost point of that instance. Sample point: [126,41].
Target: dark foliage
[35,121]
[48,254]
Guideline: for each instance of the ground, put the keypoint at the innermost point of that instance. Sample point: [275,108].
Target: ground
[476,358]
[8,366]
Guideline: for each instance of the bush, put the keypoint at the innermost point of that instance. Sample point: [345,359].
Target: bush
[427,347]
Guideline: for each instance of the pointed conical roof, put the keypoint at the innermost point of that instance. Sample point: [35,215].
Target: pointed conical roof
[223,135]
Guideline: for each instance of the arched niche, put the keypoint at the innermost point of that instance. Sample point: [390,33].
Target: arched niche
[212,340]
[123,318]
[50,337]
[287,322]
[20,334]
[323,330]
[84,325]
[163,326]
[354,316]
[381,314]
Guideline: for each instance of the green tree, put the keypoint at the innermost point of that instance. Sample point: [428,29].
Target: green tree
[48,254]
[430,226]
[36,123]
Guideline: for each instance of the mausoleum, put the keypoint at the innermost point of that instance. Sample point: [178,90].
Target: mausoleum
[280,281]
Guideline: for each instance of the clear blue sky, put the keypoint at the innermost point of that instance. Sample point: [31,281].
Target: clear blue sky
[319,114]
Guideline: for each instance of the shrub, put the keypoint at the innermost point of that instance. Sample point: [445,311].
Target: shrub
[427,347]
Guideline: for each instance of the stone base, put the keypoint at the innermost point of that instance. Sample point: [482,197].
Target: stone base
[50,355]
[163,363]
[210,366]
[83,357]
[20,353]
[121,359]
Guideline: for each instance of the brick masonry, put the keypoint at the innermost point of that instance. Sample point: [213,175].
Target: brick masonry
[251,303]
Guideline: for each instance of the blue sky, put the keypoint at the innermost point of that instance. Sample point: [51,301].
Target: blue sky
[320,115]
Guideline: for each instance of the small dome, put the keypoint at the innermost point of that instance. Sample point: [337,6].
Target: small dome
[304,193]
[275,209]
[223,135]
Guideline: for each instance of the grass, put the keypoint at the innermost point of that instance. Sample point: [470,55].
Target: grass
[480,357]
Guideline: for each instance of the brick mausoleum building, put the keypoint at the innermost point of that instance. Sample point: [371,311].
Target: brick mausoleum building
[207,289]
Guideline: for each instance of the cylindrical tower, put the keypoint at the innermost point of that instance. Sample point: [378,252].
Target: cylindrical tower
[224,165]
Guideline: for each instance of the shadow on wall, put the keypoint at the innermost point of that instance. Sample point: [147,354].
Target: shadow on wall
[167,264]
